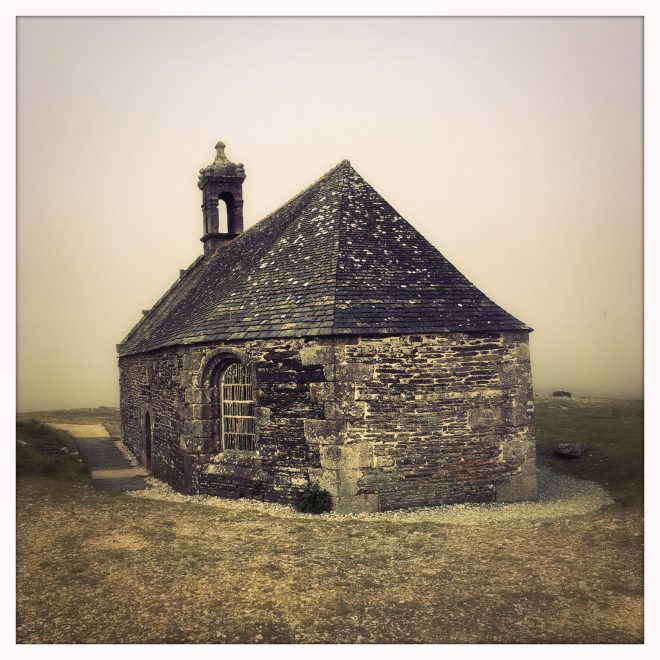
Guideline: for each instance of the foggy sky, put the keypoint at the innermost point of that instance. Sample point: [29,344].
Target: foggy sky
[513,144]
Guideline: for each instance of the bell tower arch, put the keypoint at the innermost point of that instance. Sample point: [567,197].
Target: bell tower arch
[221,182]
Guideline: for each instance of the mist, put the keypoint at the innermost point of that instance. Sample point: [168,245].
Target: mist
[513,144]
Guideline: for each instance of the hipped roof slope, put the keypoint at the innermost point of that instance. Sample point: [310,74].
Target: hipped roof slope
[337,259]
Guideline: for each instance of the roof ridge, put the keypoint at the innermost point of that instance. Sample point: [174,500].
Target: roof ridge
[344,183]
[343,163]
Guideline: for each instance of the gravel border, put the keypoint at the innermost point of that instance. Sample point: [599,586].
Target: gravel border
[128,455]
[559,496]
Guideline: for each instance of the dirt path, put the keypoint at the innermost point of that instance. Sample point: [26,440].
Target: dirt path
[109,468]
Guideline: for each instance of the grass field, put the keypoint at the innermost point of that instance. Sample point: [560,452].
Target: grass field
[109,417]
[613,429]
[102,567]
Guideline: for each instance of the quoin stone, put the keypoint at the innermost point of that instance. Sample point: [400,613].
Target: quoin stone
[328,343]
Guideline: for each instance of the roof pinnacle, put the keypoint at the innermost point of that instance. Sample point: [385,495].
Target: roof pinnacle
[222,165]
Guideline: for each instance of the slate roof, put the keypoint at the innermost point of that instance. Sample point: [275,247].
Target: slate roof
[337,259]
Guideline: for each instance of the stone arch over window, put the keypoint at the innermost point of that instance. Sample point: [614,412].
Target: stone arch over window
[229,400]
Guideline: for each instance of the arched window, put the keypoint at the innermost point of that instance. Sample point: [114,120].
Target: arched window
[237,427]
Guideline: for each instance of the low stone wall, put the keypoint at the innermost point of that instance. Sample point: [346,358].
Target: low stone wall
[380,422]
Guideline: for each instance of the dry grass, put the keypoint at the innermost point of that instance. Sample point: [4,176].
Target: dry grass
[108,568]
[101,567]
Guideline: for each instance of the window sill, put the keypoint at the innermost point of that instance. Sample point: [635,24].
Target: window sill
[233,454]
[231,460]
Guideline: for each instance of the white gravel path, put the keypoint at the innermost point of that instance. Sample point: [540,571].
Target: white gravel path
[559,496]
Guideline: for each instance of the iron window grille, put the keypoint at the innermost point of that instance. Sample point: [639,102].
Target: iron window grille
[237,403]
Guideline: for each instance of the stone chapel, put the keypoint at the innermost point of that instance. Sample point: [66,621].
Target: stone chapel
[331,343]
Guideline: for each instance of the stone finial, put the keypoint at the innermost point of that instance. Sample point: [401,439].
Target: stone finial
[220,158]
[222,165]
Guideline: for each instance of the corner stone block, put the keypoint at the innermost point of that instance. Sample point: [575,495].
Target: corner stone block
[511,374]
[183,412]
[347,457]
[520,414]
[356,504]
[193,395]
[321,391]
[330,456]
[529,467]
[358,455]
[348,482]
[356,410]
[341,392]
[193,428]
[329,481]
[322,354]
[522,351]
[192,361]
[185,379]
[262,415]
[349,372]
[517,488]
[186,443]
[516,450]
[484,417]
[325,431]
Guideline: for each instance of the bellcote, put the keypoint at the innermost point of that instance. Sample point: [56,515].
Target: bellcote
[221,181]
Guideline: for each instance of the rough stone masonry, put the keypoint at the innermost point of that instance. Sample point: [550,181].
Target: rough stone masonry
[373,366]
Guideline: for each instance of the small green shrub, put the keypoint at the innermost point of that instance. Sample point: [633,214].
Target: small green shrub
[311,498]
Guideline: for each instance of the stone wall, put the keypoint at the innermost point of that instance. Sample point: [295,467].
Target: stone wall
[152,384]
[413,421]
[176,387]
[381,422]
[468,431]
